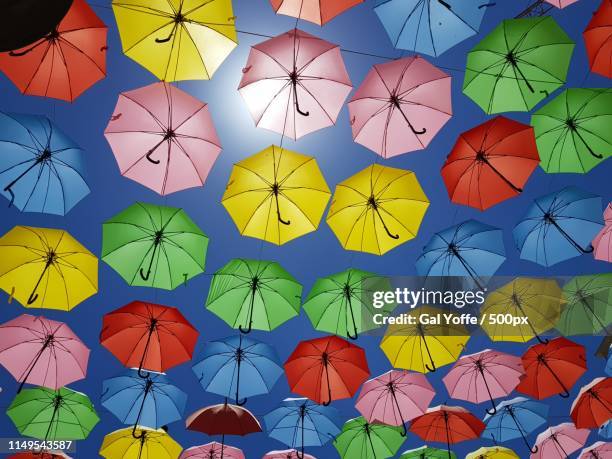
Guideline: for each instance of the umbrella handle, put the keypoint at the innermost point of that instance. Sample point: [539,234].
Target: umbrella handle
[246,330]
[8,188]
[542,340]
[295,99]
[151,160]
[431,368]
[444,4]
[241,402]
[169,37]
[352,337]
[30,49]
[399,410]
[23,174]
[329,391]
[139,436]
[144,276]
[348,334]
[34,296]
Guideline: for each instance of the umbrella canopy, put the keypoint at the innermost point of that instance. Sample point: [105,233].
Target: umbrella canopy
[46,268]
[36,350]
[319,11]
[238,366]
[147,444]
[430,26]
[559,226]
[276,195]
[605,430]
[561,3]
[212,450]
[295,83]
[51,415]
[163,138]
[149,336]
[427,452]
[182,40]
[287,454]
[254,294]
[552,368]
[572,130]
[41,169]
[326,369]
[424,347]
[603,241]
[593,406]
[559,442]
[360,439]
[154,246]
[587,308]
[377,209]
[492,452]
[518,65]
[223,419]
[400,106]
[597,450]
[490,163]
[597,39]
[63,63]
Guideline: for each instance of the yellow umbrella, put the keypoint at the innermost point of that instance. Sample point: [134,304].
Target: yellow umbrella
[142,443]
[421,346]
[493,452]
[377,209]
[522,309]
[46,268]
[177,39]
[276,195]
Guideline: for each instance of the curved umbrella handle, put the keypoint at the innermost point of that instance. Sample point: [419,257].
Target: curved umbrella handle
[535,449]
[542,340]
[486,5]
[491,412]
[144,276]
[143,374]
[246,330]
[329,391]
[139,436]
[32,298]
[352,337]
[151,160]
[241,402]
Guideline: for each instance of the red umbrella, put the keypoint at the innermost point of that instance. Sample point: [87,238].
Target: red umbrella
[317,11]
[490,163]
[64,63]
[593,406]
[552,368]
[295,83]
[41,455]
[149,336]
[598,40]
[326,369]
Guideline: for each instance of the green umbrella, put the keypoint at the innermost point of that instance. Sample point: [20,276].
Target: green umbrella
[573,130]
[427,452]
[342,303]
[255,294]
[154,246]
[588,305]
[48,414]
[360,439]
[518,64]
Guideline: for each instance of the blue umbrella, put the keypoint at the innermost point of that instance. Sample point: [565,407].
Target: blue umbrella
[608,369]
[41,169]
[469,249]
[430,26]
[238,366]
[515,419]
[559,226]
[152,401]
[300,422]
[605,431]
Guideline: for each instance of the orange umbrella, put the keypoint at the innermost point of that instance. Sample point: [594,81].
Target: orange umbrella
[317,11]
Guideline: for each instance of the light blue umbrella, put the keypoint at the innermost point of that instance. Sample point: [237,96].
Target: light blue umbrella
[605,431]
[41,169]
[559,226]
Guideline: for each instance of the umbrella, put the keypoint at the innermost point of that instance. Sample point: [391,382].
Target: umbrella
[560,441]
[287,454]
[377,209]
[40,351]
[603,241]
[560,3]
[360,439]
[469,249]
[154,246]
[253,294]
[238,366]
[163,138]
[536,303]
[490,163]
[514,419]
[485,375]
[559,226]
[212,450]
[148,336]
[606,430]
[320,11]
[51,415]
[430,26]
[394,398]
[598,450]
[276,195]
[552,368]
[426,452]
[400,106]
[295,83]
[337,303]
[495,452]
[424,347]
[150,402]
[326,369]
[593,406]
[63,63]
[447,424]
[177,40]
[41,169]
[518,65]
[46,268]
[298,423]
[597,39]
[587,308]
[147,444]
[572,130]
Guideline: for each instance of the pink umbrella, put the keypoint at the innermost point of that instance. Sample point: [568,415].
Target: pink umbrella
[560,441]
[213,450]
[599,450]
[603,241]
[287,454]
[395,398]
[295,83]
[163,138]
[483,376]
[43,352]
[400,106]
[561,3]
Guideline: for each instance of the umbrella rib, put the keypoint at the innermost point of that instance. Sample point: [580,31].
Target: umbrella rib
[80,51]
